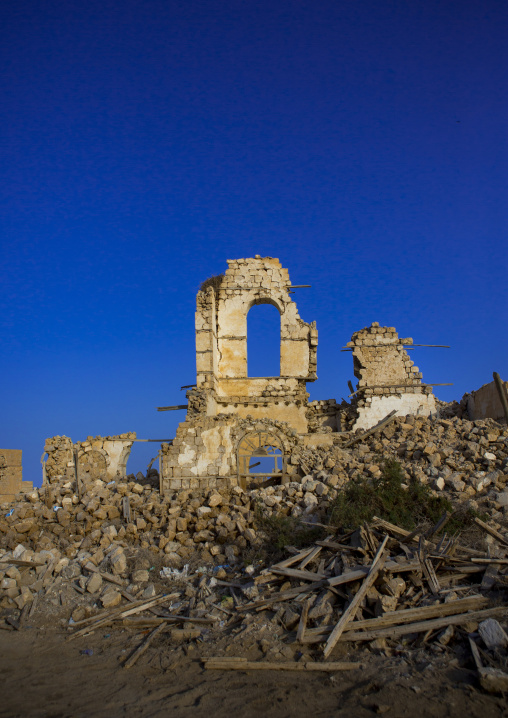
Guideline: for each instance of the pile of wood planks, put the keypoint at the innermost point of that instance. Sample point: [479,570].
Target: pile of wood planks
[383,582]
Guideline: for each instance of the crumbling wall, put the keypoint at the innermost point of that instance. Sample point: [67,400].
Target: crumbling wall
[322,416]
[98,457]
[59,464]
[484,403]
[203,454]
[387,377]
[223,384]
[11,474]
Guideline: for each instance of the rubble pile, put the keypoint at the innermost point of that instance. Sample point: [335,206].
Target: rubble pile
[120,553]
[467,461]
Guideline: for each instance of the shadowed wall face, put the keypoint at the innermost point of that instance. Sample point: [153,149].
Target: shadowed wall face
[11,474]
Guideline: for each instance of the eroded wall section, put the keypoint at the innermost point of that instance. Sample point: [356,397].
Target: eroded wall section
[387,377]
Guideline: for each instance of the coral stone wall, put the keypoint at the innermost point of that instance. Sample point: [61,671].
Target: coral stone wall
[387,376]
[98,457]
[221,345]
[11,474]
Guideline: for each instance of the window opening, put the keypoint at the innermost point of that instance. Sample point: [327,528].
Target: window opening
[260,459]
[263,341]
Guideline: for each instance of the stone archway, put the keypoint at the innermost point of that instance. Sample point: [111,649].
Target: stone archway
[261,450]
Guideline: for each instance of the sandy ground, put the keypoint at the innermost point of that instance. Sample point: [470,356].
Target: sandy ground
[45,676]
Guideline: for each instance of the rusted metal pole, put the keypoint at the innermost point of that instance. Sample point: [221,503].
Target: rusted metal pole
[501,390]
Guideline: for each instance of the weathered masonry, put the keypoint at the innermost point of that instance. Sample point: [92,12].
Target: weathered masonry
[97,457]
[229,413]
[387,377]
[11,474]
[238,426]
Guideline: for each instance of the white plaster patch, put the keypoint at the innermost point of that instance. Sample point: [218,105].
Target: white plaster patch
[381,406]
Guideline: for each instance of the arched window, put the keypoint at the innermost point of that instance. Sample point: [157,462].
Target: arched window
[260,456]
[263,341]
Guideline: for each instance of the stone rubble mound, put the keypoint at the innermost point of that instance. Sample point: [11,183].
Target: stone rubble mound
[120,550]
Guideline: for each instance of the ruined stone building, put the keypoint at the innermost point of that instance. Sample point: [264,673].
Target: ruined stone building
[96,458]
[235,422]
[239,429]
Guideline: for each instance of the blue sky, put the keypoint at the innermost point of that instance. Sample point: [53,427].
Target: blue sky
[143,143]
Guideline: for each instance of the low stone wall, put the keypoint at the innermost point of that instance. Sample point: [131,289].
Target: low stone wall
[98,457]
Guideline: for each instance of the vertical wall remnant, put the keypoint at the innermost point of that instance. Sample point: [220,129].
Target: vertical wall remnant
[224,395]
[387,377]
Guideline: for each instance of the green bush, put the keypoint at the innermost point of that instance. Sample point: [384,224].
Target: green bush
[284,531]
[387,498]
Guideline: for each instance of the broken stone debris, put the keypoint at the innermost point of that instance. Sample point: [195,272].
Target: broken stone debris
[90,547]
[87,559]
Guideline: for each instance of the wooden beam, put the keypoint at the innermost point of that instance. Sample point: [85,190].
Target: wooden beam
[241,664]
[350,611]
[424,626]
[380,425]
[172,408]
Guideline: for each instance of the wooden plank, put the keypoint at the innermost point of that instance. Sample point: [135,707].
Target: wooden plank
[281,596]
[172,408]
[362,571]
[143,647]
[303,621]
[392,528]
[242,665]
[408,615]
[148,604]
[19,562]
[33,606]
[144,621]
[424,626]
[350,611]
[287,562]
[380,425]
[312,555]
[299,574]
[349,577]
[491,531]
[439,525]
[430,575]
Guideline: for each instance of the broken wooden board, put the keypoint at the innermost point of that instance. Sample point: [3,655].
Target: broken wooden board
[143,647]
[401,617]
[424,626]
[242,664]
[350,611]
[491,531]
